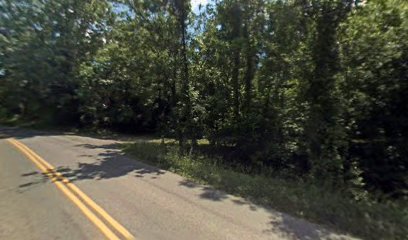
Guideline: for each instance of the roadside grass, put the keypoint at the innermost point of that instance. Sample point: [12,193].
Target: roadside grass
[365,219]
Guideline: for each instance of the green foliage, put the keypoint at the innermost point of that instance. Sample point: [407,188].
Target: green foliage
[374,83]
[311,90]
[43,43]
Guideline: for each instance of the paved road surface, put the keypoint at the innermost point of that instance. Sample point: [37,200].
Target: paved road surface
[150,203]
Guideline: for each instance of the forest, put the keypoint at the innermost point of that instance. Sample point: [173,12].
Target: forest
[315,90]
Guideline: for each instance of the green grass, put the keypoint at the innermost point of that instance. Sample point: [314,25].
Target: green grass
[366,219]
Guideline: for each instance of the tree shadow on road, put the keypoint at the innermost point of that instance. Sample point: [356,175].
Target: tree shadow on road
[281,224]
[207,193]
[31,179]
[107,161]
[8,132]
[111,163]
[295,228]
[19,133]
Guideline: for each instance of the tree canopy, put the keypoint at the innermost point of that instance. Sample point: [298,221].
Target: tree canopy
[309,88]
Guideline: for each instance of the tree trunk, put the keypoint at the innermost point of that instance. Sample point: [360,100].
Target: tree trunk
[235,83]
[249,72]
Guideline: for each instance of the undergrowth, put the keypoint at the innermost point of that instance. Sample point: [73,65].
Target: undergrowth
[369,219]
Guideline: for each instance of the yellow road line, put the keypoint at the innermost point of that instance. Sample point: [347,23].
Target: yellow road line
[65,186]
[81,194]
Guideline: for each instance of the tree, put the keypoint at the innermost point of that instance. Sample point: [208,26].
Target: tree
[323,130]
[374,81]
[312,89]
[46,43]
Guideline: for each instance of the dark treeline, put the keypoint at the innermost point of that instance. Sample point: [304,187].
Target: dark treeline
[309,88]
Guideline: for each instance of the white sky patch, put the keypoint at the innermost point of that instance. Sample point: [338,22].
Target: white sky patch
[196,3]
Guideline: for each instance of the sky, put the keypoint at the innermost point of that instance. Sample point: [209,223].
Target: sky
[195,3]
[194,6]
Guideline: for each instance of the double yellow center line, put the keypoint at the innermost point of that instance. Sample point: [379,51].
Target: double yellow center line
[88,207]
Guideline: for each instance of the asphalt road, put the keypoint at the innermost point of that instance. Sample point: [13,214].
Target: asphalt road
[148,202]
